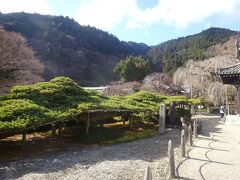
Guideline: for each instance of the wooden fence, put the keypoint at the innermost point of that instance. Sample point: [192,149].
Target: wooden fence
[189,132]
[88,117]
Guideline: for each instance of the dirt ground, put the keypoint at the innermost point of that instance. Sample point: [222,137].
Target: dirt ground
[120,161]
[37,144]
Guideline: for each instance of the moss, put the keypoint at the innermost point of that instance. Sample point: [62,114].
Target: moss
[114,133]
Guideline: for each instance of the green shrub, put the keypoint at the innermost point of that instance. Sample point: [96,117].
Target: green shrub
[22,113]
[34,105]
[181,112]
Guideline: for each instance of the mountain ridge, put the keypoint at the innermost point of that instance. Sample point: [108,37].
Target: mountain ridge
[66,48]
[88,55]
[174,53]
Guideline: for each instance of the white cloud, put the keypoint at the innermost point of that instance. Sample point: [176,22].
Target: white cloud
[133,25]
[208,25]
[105,14]
[30,6]
[182,13]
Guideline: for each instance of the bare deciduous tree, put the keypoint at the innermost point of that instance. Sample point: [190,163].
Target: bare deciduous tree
[161,83]
[203,77]
[18,65]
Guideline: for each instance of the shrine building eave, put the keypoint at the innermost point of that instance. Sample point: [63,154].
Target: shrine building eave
[230,74]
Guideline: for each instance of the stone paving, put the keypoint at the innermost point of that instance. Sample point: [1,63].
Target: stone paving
[216,153]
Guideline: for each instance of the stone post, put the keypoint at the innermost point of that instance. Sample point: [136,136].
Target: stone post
[148,174]
[162,118]
[192,109]
[183,143]
[195,128]
[171,159]
[190,135]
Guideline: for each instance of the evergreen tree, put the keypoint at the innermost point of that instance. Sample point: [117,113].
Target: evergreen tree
[132,68]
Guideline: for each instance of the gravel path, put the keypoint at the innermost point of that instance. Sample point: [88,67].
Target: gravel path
[216,153]
[122,161]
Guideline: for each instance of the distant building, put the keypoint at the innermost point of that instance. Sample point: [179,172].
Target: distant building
[99,89]
[122,88]
[155,82]
[161,83]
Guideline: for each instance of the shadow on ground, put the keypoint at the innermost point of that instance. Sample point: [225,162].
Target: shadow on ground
[210,127]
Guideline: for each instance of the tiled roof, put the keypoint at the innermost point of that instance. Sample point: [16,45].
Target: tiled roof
[233,69]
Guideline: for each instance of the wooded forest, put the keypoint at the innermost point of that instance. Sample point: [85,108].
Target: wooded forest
[88,55]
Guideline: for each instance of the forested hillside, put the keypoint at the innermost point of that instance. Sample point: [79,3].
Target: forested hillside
[88,55]
[83,53]
[170,55]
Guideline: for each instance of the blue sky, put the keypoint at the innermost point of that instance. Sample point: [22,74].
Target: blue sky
[147,21]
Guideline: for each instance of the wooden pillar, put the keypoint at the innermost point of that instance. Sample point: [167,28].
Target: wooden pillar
[131,121]
[61,125]
[227,105]
[77,120]
[238,99]
[208,109]
[172,114]
[24,136]
[171,159]
[59,129]
[146,115]
[162,118]
[88,123]
[123,119]
[54,130]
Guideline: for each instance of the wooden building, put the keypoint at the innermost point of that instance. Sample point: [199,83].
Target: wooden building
[231,75]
